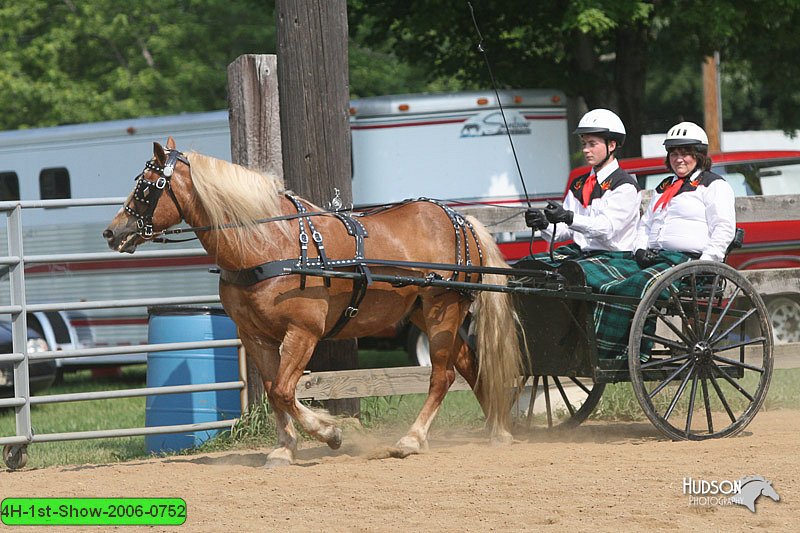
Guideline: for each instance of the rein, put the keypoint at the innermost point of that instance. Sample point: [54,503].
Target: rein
[149,193]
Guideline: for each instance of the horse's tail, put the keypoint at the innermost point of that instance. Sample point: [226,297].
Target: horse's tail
[497,329]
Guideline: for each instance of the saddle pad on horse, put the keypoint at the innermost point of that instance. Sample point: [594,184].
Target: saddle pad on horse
[614,273]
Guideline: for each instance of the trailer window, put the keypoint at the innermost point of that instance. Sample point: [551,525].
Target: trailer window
[54,184]
[9,186]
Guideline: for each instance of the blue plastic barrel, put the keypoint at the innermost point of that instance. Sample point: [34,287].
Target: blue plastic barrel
[189,367]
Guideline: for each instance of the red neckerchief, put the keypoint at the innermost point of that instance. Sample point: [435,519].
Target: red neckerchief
[588,187]
[671,191]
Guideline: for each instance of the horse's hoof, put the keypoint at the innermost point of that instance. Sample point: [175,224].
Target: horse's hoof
[503,439]
[400,453]
[405,447]
[279,457]
[335,442]
[277,463]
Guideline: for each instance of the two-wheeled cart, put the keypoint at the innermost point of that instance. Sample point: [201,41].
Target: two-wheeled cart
[699,353]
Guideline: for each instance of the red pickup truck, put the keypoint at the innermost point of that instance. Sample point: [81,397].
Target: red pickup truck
[774,244]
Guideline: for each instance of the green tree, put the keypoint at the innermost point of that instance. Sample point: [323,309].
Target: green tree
[67,61]
[70,61]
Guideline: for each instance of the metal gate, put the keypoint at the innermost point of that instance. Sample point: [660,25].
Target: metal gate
[15,446]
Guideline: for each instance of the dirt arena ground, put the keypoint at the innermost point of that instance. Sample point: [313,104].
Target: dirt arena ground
[600,477]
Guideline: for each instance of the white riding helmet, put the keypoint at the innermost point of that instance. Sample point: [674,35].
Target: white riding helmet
[687,134]
[603,123]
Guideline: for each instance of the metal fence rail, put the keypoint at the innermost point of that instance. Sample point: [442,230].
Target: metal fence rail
[18,308]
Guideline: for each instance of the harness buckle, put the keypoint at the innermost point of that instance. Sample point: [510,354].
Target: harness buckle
[148,231]
[139,223]
[161,182]
[317,236]
[304,238]
[351,312]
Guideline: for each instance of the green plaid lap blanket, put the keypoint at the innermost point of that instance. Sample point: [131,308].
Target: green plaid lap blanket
[614,273]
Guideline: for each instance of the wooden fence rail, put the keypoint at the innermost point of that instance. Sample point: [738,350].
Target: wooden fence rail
[414,380]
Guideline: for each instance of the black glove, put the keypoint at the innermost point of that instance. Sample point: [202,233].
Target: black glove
[534,219]
[556,213]
[646,258]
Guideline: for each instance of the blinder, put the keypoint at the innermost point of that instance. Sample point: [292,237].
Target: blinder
[148,193]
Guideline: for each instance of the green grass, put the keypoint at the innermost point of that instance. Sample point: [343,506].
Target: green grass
[460,409]
[619,401]
[86,416]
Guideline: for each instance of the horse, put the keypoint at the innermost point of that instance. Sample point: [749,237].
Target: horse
[253,229]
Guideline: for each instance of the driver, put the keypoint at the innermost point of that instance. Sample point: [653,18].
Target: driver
[692,211]
[601,209]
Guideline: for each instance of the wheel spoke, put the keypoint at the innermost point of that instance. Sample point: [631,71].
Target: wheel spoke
[754,340]
[664,341]
[678,393]
[733,383]
[581,385]
[547,402]
[739,364]
[564,396]
[735,325]
[695,305]
[534,390]
[724,312]
[659,362]
[722,398]
[707,403]
[674,295]
[692,396]
[710,304]
[670,378]
[671,326]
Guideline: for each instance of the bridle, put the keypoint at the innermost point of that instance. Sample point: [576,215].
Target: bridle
[148,193]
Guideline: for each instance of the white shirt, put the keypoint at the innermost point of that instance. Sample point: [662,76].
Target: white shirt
[608,223]
[701,221]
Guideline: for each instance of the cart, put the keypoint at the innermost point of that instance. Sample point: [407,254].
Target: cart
[699,354]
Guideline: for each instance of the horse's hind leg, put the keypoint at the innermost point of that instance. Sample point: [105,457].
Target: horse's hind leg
[266,358]
[442,315]
[295,352]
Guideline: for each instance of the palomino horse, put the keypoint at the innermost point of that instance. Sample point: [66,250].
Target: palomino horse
[281,317]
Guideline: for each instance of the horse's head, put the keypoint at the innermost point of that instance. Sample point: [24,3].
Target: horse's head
[143,215]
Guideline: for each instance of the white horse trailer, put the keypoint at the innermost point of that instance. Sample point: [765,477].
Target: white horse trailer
[451,146]
[97,160]
[456,146]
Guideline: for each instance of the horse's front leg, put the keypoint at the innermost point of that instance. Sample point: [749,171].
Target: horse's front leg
[295,352]
[266,358]
[442,315]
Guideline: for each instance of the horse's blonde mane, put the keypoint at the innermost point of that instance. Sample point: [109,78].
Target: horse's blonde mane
[232,194]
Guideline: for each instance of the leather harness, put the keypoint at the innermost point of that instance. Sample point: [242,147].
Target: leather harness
[355,229]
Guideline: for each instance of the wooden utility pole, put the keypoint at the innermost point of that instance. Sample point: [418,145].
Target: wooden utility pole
[255,139]
[712,103]
[254,116]
[315,133]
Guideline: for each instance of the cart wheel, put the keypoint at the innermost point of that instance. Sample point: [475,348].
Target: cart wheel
[706,340]
[417,347]
[15,456]
[561,402]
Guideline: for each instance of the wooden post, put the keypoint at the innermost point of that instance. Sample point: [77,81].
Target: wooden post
[254,116]
[255,139]
[313,86]
[711,103]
